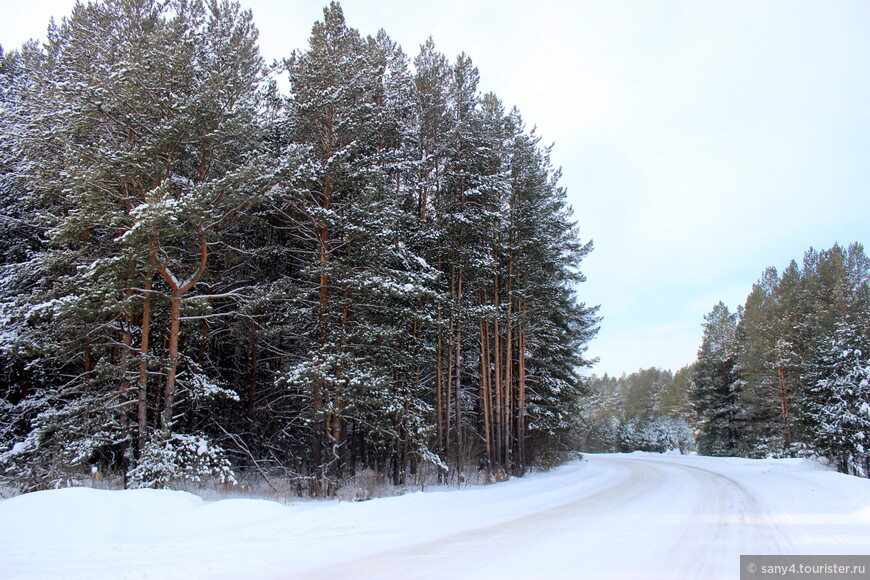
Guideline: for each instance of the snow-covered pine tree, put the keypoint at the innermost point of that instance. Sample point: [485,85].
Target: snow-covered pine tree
[648,410]
[138,128]
[837,406]
[548,323]
[23,385]
[784,319]
[464,216]
[768,364]
[349,107]
[716,384]
[432,83]
[387,271]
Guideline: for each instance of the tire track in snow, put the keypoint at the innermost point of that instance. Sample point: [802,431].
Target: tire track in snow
[661,519]
[728,517]
[435,558]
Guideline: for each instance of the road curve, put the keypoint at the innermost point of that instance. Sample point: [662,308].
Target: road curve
[659,518]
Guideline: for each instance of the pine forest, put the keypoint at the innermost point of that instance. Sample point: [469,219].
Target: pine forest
[351,263]
[205,277]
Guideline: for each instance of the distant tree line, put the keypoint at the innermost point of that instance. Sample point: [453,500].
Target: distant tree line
[648,410]
[202,275]
[789,373]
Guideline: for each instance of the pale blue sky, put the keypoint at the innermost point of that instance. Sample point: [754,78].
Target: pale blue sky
[700,141]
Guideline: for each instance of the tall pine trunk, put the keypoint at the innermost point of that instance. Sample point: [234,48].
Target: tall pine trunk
[508,372]
[458,367]
[485,390]
[174,335]
[521,391]
[499,386]
[142,390]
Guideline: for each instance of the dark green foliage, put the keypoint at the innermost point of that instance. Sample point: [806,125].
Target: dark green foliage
[836,407]
[716,386]
[376,271]
[795,365]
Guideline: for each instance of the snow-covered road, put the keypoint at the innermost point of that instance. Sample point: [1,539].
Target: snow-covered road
[609,516]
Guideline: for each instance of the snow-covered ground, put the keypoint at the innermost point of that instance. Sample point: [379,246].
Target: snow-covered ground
[626,516]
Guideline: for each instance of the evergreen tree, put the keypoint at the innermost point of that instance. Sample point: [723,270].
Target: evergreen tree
[648,410]
[379,271]
[137,125]
[350,107]
[785,318]
[838,402]
[768,362]
[716,384]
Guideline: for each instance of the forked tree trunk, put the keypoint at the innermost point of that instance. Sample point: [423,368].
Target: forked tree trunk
[178,290]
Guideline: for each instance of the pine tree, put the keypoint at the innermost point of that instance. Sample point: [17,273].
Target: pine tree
[648,410]
[768,362]
[786,316]
[716,384]
[838,402]
[378,272]
[137,124]
[350,107]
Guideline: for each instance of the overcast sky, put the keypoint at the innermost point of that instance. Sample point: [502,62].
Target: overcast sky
[700,141]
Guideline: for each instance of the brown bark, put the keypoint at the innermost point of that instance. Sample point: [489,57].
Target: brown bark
[508,383]
[174,331]
[439,389]
[127,345]
[783,400]
[458,365]
[142,394]
[499,387]
[252,374]
[88,362]
[317,424]
[178,290]
[485,391]
[448,394]
[521,395]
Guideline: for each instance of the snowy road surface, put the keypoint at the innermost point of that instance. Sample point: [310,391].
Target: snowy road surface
[610,516]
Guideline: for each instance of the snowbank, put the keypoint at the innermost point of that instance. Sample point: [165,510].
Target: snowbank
[592,513]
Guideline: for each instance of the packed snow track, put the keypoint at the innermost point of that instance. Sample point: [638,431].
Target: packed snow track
[608,516]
